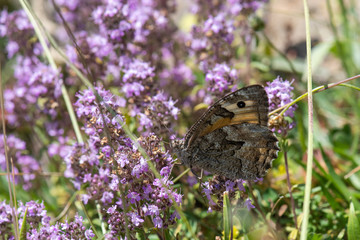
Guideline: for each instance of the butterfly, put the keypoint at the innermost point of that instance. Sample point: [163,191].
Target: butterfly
[232,137]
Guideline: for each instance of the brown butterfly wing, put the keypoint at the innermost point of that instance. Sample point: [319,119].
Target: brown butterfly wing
[226,112]
[241,151]
[232,138]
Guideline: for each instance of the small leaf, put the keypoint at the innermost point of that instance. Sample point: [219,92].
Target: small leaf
[353,228]
[23,227]
[227,216]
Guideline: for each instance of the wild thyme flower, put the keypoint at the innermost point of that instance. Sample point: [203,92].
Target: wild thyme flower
[220,79]
[204,8]
[78,13]
[154,109]
[215,188]
[76,229]
[280,93]
[218,23]
[211,42]
[249,204]
[36,214]
[38,223]
[34,81]
[19,32]
[22,162]
[245,6]
[6,223]
[109,165]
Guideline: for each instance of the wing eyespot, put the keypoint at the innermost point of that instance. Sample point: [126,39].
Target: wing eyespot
[241,104]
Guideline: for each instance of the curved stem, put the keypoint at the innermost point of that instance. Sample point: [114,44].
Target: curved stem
[284,108]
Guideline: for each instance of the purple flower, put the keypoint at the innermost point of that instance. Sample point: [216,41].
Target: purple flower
[158,222]
[229,185]
[207,190]
[5,220]
[219,25]
[135,219]
[140,168]
[21,162]
[107,197]
[132,89]
[220,78]
[147,189]
[34,80]
[76,229]
[165,171]
[114,182]
[134,197]
[280,93]
[134,49]
[151,210]
[36,214]
[138,70]
[249,204]
[245,6]
[240,185]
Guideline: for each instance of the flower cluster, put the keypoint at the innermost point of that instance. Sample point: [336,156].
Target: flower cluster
[215,188]
[220,78]
[215,39]
[5,220]
[19,32]
[280,93]
[211,42]
[135,49]
[35,81]
[38,223]
[112,170]
[22,163]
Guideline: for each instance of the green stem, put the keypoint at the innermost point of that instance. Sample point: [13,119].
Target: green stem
[306,206]
[88,217]
[182,174]
[317,90]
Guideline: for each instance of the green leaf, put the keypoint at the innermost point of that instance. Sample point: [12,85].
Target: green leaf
[353,227]
[23,227]
[337,181]
[227,216]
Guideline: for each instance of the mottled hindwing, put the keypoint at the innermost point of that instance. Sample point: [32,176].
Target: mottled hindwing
[232,138]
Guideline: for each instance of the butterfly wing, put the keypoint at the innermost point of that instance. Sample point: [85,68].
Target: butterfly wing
[232,138]
[246,105]
[241,151]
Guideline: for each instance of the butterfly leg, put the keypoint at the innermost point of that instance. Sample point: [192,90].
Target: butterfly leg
[193,172]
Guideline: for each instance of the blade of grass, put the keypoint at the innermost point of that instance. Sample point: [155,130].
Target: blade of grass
[88,217]
[324,182]
[338,182]
[306,206]
[227,216]
[23,226]
[353,227]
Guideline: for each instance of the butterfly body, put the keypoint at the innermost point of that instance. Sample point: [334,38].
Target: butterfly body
[232,138]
